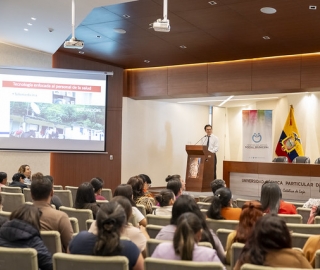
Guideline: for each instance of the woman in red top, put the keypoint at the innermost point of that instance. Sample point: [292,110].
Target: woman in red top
[271,200]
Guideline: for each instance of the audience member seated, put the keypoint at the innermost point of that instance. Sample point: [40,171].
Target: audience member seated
[138,236]
[251,212]
[2,219]
[215,185]
[138,196]
[177,177]
[221,206]
[175,186]
[26,171]
[186,204]
[315,211]
[271,200]
[85,199]
[126,191]
[18,181]
[3,179]
[185,243]
[146,184]
[311,203]
[111,219]
[165,199]
[310,248]
[97,184]
[51,219]
[23,231]
[55,200]
[269,244]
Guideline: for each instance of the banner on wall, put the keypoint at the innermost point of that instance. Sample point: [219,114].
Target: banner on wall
[289,143]
[257,135]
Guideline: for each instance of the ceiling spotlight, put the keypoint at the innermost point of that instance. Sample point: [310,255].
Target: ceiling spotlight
[33,18]
[119,30]
[313,7]
[212,3]
[268,10]
[81,52]
[183,47]
[26,29]
[29,24]
[146,61]
[125,16]
[266,37]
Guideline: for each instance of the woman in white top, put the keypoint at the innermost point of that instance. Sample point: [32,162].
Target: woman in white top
[126,191]
[165,199]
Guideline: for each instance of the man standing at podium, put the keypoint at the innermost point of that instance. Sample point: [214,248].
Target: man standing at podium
[212,142]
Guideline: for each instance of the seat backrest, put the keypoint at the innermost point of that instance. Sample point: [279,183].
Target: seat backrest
[317,259]
[11,189]
[74,224]
[301,159]
[280,159]
[65,197]
[299,239]
[203,205]
[160,264]
[71,261]
[248,266]
[304,228]
[27,195]
[81,214]
[296,204]
[291,218]
[152,244]
[236,249]
[88,223]
[73,194]
[142,209]
[241,202]
[12,201]
[100,202]
[305,213]
[205,244]
[57,187]
[153,230]
[5,214]
[317,220]
[222,224]
[18,258]
[201,198]
[107,193]
[158,220]
[223,235]
[51,240]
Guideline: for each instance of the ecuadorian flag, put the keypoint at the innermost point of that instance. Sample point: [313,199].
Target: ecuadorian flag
[289,144]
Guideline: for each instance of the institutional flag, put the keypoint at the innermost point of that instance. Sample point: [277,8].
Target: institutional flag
[289,144]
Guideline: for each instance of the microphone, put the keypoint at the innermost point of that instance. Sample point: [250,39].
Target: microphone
[200,139]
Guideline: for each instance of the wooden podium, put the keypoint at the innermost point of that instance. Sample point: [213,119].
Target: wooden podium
[200,168]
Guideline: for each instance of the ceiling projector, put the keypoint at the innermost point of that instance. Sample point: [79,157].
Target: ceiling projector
[74,44]
[161,25]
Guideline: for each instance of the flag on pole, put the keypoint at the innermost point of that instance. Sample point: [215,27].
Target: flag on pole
[289,144]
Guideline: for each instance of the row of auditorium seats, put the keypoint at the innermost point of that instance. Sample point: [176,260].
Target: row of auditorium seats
[300,159]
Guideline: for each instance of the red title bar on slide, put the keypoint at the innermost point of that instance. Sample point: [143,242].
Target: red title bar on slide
[51,86]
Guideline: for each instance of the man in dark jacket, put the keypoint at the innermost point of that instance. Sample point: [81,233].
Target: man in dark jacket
[18,181]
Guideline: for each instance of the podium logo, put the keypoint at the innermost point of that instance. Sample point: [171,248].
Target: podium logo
[256,137]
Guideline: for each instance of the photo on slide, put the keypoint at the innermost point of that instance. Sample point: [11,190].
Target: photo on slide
[57,121]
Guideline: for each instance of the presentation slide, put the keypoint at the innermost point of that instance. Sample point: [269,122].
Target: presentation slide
[52,110]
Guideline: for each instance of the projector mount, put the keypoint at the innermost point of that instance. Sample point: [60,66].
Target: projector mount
[162,25]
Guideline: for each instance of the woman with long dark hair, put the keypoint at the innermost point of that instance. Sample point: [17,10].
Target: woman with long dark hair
[186,204]
[111,219]
[269,244]
[185,242]
[251,212]
[85,199]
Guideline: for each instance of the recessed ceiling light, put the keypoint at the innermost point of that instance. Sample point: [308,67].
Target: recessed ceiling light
[98,36]
[29,24]
[313,7]
[183,47]
[212,3]
[266,37]
[81,52]
[126,16]
[268,10]
[146,61]
[26,29]
[33,18]
[119,30]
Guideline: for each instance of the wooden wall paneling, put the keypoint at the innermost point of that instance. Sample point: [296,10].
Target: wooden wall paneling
[279,168]
[310,70]
[76,168]
[189,80]
[231,78]
[148,83]
[237,166]
[272,75]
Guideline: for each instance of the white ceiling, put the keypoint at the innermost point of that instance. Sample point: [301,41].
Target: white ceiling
[49,14]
